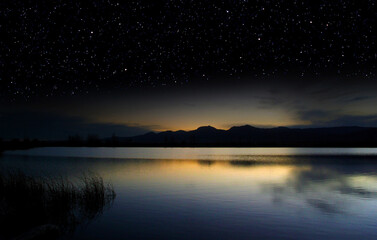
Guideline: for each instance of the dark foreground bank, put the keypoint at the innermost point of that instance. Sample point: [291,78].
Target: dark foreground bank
[46,208]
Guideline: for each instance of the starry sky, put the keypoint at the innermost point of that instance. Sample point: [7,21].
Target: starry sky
[134,66]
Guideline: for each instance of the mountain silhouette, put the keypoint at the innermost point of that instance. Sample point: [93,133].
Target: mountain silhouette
[252,136]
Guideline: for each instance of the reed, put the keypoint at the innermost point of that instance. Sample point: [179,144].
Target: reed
[29,201]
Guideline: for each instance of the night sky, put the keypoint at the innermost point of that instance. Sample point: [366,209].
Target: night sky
[133,66]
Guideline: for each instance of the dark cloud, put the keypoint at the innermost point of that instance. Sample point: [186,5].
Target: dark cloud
[53,126]
[269,101]
[321,118]
[348,120]
[315,115]
[360,98]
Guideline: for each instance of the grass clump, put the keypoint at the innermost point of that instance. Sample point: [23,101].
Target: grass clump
[28,201]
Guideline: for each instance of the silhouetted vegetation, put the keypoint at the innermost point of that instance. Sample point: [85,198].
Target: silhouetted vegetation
[75,139]
[28,202]
[243,136]
[93,140]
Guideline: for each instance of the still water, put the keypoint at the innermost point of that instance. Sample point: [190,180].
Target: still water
[222,193]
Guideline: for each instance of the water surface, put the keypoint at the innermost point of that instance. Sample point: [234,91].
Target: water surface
[222,193]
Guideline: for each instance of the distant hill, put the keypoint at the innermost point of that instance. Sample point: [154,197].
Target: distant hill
[207,136]
[252,136]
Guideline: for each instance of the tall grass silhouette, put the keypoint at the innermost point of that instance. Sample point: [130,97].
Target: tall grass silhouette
[27,202]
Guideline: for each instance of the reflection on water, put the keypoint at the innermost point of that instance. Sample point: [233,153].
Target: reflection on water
[251,196]
[193,153]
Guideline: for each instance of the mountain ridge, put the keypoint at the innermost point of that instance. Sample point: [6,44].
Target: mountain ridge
[247,135]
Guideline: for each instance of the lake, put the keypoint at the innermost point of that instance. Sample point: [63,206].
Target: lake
[222,193]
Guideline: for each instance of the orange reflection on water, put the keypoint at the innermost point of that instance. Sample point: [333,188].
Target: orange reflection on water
[167,172]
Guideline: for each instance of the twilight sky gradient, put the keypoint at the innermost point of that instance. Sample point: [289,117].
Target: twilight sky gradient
[141,110]
[128,67]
